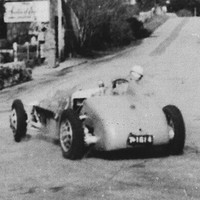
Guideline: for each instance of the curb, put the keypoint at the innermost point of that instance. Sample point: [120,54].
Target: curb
[40,71]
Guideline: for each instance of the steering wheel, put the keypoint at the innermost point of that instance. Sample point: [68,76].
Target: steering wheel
[118,81]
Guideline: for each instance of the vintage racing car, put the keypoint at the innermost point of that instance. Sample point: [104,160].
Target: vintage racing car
[106,118]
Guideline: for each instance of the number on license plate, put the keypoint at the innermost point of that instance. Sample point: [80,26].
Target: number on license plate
[140,139]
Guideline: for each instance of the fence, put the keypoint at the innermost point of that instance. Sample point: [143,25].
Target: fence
[14,73]
[6,55]
[25,52]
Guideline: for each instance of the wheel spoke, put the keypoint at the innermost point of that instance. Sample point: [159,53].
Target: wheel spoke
[69,136]
[14,119]
[64,138]
[66,135]
[68,129]
[63,128]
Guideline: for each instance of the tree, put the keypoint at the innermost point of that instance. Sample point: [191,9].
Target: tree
[101,19]
[177,5]
[148,4]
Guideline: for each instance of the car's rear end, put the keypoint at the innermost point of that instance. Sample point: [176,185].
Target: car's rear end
[121,122]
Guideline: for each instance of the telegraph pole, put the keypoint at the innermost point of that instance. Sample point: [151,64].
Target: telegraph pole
[195,11]
[155,3]
[59,4]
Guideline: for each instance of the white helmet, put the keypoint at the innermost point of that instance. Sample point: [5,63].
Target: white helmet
[137,72]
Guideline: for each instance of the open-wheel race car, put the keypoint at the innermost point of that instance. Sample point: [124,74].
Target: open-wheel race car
[106,118]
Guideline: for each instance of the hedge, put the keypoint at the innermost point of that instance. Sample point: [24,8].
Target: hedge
[13,74]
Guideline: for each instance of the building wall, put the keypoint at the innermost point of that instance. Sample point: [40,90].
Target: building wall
[53,13]
[22,32]
[19,32]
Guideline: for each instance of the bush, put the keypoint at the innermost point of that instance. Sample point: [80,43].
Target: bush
[14,73]
[6,57]
[112,34]
[152,24]
[120,33]
[184,13]
[103,23]
[137,28]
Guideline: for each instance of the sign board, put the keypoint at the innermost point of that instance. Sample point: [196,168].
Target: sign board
[27,11]
[130,2]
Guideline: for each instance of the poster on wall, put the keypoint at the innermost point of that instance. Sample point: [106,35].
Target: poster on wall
[27,11]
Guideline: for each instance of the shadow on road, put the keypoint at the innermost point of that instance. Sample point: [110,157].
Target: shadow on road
[126,154]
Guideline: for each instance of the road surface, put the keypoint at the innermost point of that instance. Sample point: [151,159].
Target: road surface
[34,169]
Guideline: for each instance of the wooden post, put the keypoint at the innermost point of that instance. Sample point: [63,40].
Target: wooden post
[28,52]
[15,51]
[59,28]
[195,11]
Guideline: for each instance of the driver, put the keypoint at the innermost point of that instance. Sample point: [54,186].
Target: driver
[121,86]
[138,86]
[135,77]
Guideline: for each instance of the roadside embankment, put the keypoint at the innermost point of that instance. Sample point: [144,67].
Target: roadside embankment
[13,74]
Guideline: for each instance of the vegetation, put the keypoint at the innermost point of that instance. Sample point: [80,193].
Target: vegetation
[185,7]
[2,9]
[152,24]
[105,24]
[184,13]
[14,73]
[146,5]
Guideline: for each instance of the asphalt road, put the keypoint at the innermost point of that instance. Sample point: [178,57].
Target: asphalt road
[35,169]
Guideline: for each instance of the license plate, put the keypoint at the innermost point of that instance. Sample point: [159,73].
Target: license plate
[140,139]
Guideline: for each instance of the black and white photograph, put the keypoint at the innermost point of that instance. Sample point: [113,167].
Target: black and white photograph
[99,99]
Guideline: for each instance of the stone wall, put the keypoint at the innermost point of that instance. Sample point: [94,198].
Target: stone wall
[14,73]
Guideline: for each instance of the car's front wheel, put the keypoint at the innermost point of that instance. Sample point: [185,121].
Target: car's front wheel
[18,119]
[71,135]
[176,129]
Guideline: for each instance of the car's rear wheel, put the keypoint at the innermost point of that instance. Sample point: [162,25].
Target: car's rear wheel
[176,129]
[71,135]
[18,119]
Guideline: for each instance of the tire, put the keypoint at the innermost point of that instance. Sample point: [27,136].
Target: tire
[71,135]
[176,123]
[18,120]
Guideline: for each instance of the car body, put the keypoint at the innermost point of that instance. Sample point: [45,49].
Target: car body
[106,118]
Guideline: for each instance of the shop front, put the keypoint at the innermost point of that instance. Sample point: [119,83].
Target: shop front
[33,23]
